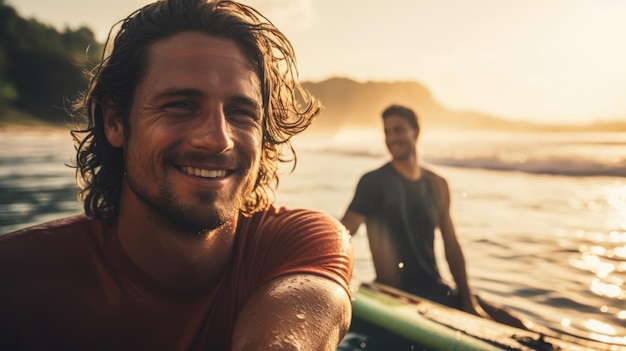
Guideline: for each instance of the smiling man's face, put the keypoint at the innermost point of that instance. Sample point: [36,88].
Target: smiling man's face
[194,142]
[400,137]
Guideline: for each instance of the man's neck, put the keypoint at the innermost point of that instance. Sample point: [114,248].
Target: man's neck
[176,260]
[409,167]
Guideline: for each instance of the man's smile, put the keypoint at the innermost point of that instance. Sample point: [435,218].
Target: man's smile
[205,173]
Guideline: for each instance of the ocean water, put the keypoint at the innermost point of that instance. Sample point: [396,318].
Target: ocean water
[541,217]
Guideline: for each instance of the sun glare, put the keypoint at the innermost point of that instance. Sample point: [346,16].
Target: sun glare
[607,289]
[616,199]
[600,327]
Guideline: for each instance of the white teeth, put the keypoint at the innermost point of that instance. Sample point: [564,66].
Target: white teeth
[204,173]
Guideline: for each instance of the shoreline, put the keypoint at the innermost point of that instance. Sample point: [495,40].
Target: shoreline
[36,129]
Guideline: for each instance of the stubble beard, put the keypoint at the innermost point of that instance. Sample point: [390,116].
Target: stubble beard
[401,155]
[195,221]
[188,220]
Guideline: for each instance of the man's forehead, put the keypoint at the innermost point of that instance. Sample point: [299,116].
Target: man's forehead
[199,63]
[200,47]
[397,121]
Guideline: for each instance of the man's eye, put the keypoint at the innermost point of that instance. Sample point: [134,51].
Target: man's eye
[178,105]
[242,113]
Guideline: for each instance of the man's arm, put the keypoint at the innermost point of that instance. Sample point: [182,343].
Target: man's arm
[352,221]
[294,312]
[454,253]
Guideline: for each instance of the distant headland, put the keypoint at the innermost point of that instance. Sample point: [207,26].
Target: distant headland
[350,103]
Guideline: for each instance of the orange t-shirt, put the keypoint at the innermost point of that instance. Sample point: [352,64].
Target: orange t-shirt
[69,284]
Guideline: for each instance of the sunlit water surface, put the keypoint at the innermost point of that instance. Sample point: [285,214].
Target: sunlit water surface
[541,217]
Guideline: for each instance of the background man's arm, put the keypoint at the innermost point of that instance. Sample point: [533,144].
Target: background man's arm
[352,221]
[294,312]
[454,254]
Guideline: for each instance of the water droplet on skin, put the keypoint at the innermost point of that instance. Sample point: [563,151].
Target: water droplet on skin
[301,316]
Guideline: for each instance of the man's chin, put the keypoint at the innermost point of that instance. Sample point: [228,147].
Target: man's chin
[399,157]
[191,222]
[190,226]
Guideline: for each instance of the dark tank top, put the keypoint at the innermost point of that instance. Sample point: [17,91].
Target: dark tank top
[401,217]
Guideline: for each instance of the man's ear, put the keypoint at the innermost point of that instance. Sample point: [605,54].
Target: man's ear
[113,124]
[416,134]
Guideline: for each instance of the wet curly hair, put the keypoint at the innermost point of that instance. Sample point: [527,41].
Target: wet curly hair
[288,109]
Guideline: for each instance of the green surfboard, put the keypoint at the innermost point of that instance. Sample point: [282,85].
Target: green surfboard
[437,327]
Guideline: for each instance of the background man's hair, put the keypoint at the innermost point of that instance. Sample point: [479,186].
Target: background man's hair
[402,111]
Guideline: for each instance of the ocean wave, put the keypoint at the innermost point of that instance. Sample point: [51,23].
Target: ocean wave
[550,166]
[558,163]
[570,154]
[347,151]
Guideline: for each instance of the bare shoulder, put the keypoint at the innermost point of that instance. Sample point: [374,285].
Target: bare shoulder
[437,180]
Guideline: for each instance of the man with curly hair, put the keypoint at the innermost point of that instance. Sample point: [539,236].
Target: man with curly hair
[180,248]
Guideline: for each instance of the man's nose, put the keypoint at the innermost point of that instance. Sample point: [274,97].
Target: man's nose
[213,133]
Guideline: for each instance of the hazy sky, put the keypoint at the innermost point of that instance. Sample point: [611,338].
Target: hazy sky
[539,60]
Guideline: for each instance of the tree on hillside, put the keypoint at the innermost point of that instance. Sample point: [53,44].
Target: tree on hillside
[8,93]
[40,67]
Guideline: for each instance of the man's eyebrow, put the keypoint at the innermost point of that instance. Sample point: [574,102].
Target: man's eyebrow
[237,99]
[245,100]
[174,92]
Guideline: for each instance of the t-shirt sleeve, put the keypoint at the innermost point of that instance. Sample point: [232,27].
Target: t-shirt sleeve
[299,242]
[366,197]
